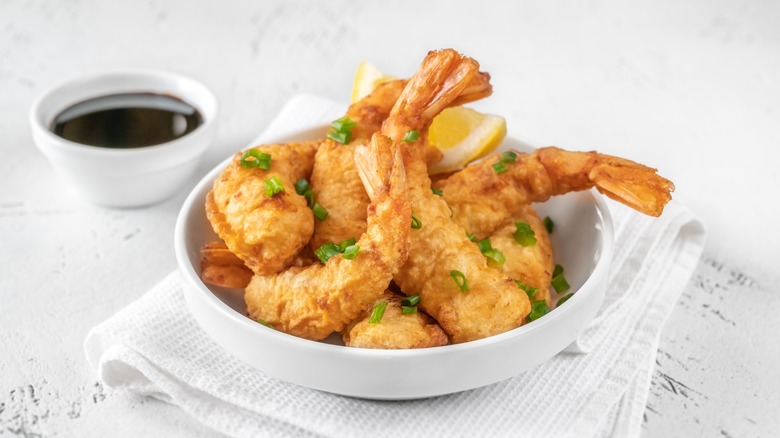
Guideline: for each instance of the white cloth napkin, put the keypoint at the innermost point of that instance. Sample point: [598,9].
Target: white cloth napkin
[154,347]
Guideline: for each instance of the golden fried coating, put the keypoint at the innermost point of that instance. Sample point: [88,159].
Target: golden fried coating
[531,265]
[482,199]
[396,330]
[264,231]
[439,251]
[220,267]
[314,301]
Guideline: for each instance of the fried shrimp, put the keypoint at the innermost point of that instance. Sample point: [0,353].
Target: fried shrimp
[314,301]
[482,197]
[265,229]
[335,182]
[395,329]
[531,264]
[449,273]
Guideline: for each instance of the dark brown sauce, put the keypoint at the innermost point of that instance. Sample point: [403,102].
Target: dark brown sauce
[130,120]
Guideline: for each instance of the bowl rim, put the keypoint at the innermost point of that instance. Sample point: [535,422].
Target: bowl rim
[35,115]
[190,276]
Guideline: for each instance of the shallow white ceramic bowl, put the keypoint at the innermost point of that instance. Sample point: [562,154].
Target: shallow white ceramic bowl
[582,243]
[124,177]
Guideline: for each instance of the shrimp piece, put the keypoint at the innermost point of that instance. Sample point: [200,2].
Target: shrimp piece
[482,199]
[315,301]
[488,302]
[530,265]
[396,330]
[335,181]
[266,232]
[220,267]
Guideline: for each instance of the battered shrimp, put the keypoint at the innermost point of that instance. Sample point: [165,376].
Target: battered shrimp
[449,273]
[395,330]
[266,232]
[482,199]
[335,181]
[531,265]
[315,301]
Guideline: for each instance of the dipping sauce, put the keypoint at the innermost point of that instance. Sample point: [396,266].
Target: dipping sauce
[131,120]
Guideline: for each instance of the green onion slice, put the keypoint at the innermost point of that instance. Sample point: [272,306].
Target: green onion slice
[347,243]
[548,224]
[343,124]
[326,251]
[416,224]
[351,252]
[273,186]
[563,299]
[495,257]
[557,271]
[471,237]
[500,167]
[530,291]
[411,300]
[253,158]
[265,323]
[460,280]
[302,186]
[319,211]
[411,136]
[524,235]
[538,310]
[409,310]
[437,191]
[379,311]
[559,283]
[341,137]
[508,157]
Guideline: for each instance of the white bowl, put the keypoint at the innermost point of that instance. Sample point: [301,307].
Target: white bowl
[582,243]
[124,177]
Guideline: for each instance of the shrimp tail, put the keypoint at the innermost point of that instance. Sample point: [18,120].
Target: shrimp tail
[380,167]
[633,184]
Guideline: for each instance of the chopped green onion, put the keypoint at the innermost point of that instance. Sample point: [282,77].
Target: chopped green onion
[273,186]
[460,280]
[341,137]
[416,224]
[508,157]
[437,191]
[557,271]
[548,224]
[351,252]
[411,136]
[265,323]
[326,251]
[530,291]
[524,235]
[500,167]
[563,299]
[559,283]
[319,212]
[411,300]
[379,311]
[349,242]
[343,124]
[495,257]
[253,158]
[538,310]
[471,237]
[409,310]
[302,186]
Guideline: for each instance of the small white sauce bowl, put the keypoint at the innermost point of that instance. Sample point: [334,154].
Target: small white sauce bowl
[582,243]
[124,177]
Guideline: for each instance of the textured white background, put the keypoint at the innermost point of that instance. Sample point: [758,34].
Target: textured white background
[690,87]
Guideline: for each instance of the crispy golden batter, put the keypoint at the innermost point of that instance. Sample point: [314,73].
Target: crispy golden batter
[531,265]
[395,330]
[265,232]
[482,199]
[314,301]
[334,179]
[492,303]
[220,267]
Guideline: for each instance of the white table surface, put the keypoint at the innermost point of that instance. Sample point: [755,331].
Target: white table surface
[690,87]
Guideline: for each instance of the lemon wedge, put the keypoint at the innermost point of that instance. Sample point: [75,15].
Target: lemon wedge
[464,135]
[367,77]
[461,134]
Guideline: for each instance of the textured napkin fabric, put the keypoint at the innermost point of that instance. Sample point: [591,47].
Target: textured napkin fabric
[154,347]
